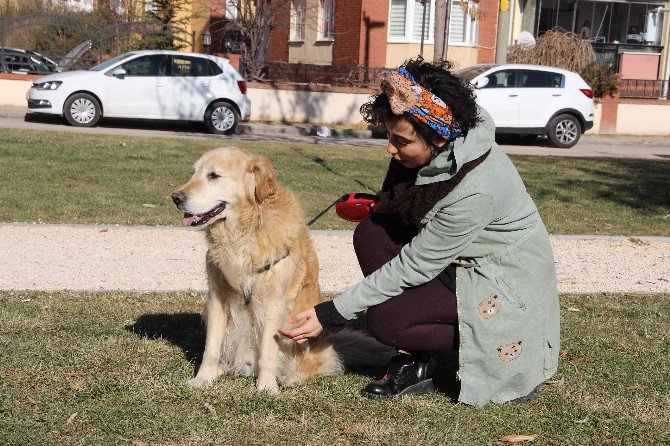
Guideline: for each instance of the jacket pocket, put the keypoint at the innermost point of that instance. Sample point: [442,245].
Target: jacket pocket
[509,292]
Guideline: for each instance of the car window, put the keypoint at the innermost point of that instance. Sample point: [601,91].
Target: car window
[469,73]
[110,62]
[191,66]
[502,79]
[540,79]
[152,65]
[214,69]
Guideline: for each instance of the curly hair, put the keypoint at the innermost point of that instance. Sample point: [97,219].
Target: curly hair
[437,78]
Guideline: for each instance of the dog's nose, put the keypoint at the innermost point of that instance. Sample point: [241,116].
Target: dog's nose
[178,197]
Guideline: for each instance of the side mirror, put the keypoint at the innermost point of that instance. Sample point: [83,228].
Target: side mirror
[481,83]
[119,73]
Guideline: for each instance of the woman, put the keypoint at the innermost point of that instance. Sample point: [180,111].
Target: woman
[455,255]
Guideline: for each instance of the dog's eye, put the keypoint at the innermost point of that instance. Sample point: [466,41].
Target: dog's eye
[213,176]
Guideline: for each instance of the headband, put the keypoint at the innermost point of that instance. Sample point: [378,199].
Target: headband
[406,95]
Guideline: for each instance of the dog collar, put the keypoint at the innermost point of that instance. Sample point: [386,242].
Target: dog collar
[247,293]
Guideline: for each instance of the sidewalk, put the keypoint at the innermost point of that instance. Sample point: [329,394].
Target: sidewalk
[303,130]
[167,259]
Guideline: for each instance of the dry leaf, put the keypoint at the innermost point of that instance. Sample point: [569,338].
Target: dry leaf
[564,353]
[518,438]
[71,418]
[104,230]
[638,241]
[582,421]
[148,206]
[586,359]
[573,309]
[559,382]
[635,387]
[209,408]
[353,429]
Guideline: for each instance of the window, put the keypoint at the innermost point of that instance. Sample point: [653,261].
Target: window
[460,25]
[298,20]
[145,66]
[231,9]
[502,79]
[397,17]
[540,79]
[186,66]
[406,20]
[150,6]
[327,19]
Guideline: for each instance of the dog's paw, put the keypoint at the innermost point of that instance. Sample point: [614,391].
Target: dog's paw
[199,382]
[267,384]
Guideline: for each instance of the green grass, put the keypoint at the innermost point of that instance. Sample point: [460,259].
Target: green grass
[119,362]
[72,178]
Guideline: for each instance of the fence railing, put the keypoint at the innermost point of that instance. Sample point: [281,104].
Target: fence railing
[647,89]
[353,76]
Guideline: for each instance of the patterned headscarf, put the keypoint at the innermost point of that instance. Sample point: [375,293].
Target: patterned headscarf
[406,95]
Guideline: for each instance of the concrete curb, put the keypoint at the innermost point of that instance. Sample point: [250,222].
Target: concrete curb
[325,232]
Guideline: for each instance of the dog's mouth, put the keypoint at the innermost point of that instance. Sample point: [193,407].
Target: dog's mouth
[201,219]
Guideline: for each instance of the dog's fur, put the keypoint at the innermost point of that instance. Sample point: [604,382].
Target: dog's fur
[259,250]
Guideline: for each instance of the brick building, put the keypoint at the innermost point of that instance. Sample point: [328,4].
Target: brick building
[381,33]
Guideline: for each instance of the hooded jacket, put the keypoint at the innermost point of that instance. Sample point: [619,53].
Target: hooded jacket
[507,298]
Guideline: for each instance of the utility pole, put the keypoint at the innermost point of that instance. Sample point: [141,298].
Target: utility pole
[442,12]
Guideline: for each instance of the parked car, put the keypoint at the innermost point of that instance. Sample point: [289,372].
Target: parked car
[532,100]
[165,85]
[18,61]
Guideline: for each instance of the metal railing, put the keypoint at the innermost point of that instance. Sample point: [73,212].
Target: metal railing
[351,76]
[647,89]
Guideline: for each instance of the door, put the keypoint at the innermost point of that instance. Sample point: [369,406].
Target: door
[140,93]
[189,88]
[500,97]
[541,94]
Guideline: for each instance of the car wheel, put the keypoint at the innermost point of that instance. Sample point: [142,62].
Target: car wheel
[222,118]
[82,110]
[564,131]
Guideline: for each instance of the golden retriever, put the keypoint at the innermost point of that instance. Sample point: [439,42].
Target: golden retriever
[261,269]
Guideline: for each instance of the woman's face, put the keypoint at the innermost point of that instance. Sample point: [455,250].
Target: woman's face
[407,146]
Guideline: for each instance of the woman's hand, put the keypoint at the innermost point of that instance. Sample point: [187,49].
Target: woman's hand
[310,329]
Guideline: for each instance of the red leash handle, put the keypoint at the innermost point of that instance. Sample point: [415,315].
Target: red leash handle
[355,206]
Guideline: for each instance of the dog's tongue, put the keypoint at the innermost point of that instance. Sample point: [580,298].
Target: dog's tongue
[188,219]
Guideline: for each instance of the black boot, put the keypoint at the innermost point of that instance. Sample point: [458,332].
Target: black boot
[407,373]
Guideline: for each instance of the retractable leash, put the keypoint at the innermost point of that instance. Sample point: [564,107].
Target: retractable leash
[354,206]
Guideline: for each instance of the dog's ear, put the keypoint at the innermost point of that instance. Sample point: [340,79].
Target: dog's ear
[261,179]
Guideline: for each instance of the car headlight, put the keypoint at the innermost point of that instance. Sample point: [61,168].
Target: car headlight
[47,85]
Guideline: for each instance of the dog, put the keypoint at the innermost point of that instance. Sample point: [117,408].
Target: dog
[261,268]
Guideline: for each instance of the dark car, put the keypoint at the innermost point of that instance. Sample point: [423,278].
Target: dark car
[14,60]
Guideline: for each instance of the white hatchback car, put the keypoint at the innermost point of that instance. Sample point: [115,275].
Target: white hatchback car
[167,85]
[531,100]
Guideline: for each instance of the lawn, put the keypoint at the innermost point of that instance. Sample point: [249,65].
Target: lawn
[73,178]
[109,368]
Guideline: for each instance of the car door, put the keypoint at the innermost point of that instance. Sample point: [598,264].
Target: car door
[139,93]
[188,88]
[541,94]
[500,97]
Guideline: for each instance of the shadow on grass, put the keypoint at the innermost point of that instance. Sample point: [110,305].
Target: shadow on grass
[360,352]
[185,330]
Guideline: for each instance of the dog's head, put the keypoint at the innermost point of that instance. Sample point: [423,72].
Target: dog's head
[224,179]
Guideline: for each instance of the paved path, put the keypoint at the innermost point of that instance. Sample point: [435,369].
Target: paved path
[142,259]
[619,146]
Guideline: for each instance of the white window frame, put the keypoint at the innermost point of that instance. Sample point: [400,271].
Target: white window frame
[298,20]
[231,9]
[150,6]
[322,11]
[470,32]
[409,25]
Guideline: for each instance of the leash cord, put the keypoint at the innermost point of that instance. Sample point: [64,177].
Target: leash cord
[324,211]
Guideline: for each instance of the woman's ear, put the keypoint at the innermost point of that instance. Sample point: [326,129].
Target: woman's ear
[439,142]
[261,179]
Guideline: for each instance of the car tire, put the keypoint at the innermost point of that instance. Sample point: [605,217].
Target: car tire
[221,118]
[564,131]
[82,110]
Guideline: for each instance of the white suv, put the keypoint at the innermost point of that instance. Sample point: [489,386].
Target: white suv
[531,100]
[147,85]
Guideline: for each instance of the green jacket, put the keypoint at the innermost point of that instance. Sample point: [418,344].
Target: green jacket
[508,313]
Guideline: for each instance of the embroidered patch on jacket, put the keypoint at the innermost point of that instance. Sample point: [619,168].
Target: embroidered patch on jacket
[510,352]
[490,307]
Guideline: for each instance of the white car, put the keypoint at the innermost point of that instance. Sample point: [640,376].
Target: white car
[531,100]
[167,85]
